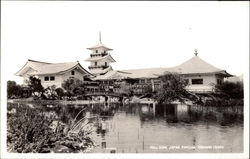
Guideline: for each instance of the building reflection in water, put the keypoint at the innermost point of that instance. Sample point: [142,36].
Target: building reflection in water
[173,113]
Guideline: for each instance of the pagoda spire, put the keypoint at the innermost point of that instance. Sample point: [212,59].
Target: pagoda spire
[100,37]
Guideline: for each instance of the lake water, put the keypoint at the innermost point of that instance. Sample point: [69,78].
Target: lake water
[141,128]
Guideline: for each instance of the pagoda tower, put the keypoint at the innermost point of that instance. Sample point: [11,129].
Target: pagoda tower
[100,59]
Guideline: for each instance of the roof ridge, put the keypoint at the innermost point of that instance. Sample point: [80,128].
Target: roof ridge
[147,68]
[38,61]
[123,72]
[65,62]
[51,63]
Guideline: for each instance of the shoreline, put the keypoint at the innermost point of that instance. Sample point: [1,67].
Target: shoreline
[63,102]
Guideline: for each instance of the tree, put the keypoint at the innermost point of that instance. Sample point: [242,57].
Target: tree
[172,88]
[13,90]
[73,86]
[231,90]
[35,85]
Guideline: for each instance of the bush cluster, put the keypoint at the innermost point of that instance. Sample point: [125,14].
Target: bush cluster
[17,91]
[224,102]
[231,90]
[29,130]
[34,88]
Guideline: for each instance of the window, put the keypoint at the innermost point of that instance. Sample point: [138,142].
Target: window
[105,63]
[95,63]
[52,78]
[104,52]
[197,81]
[96,51]
[219,81]
[46,78]
[72,72]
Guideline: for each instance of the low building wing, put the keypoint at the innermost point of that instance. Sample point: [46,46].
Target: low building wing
[41,68]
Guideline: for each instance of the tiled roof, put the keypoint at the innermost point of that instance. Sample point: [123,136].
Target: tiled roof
[55,68]
[113,74]
[97,58]
[100,45]
[196,65]
[192,66]
[48,68]
[104,71]
[146,73]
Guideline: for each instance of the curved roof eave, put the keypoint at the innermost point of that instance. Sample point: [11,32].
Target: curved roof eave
[25,65]
[92,48]
[99,46]
[18,72]
[215,72]
[78,64]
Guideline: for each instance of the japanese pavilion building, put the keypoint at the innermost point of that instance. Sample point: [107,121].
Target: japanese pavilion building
[200,75]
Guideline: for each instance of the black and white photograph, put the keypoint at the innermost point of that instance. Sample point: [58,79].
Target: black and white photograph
[123,79]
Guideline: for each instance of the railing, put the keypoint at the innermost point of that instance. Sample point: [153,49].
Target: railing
[202,91]
[95,67]
[104,93]
[98,54]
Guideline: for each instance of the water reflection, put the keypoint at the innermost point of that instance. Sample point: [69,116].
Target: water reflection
[155,128]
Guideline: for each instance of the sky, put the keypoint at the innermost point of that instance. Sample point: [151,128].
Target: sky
[142,34]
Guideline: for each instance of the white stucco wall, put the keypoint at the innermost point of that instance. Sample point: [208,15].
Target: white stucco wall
[100,50]
[60,78]
[209,81]
[77,75]
[100,62]
[57,82]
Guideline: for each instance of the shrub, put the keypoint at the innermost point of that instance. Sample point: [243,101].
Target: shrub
[13,90]
[30,130]
[16,91]
[231,90]
[60,92]
[50,93]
